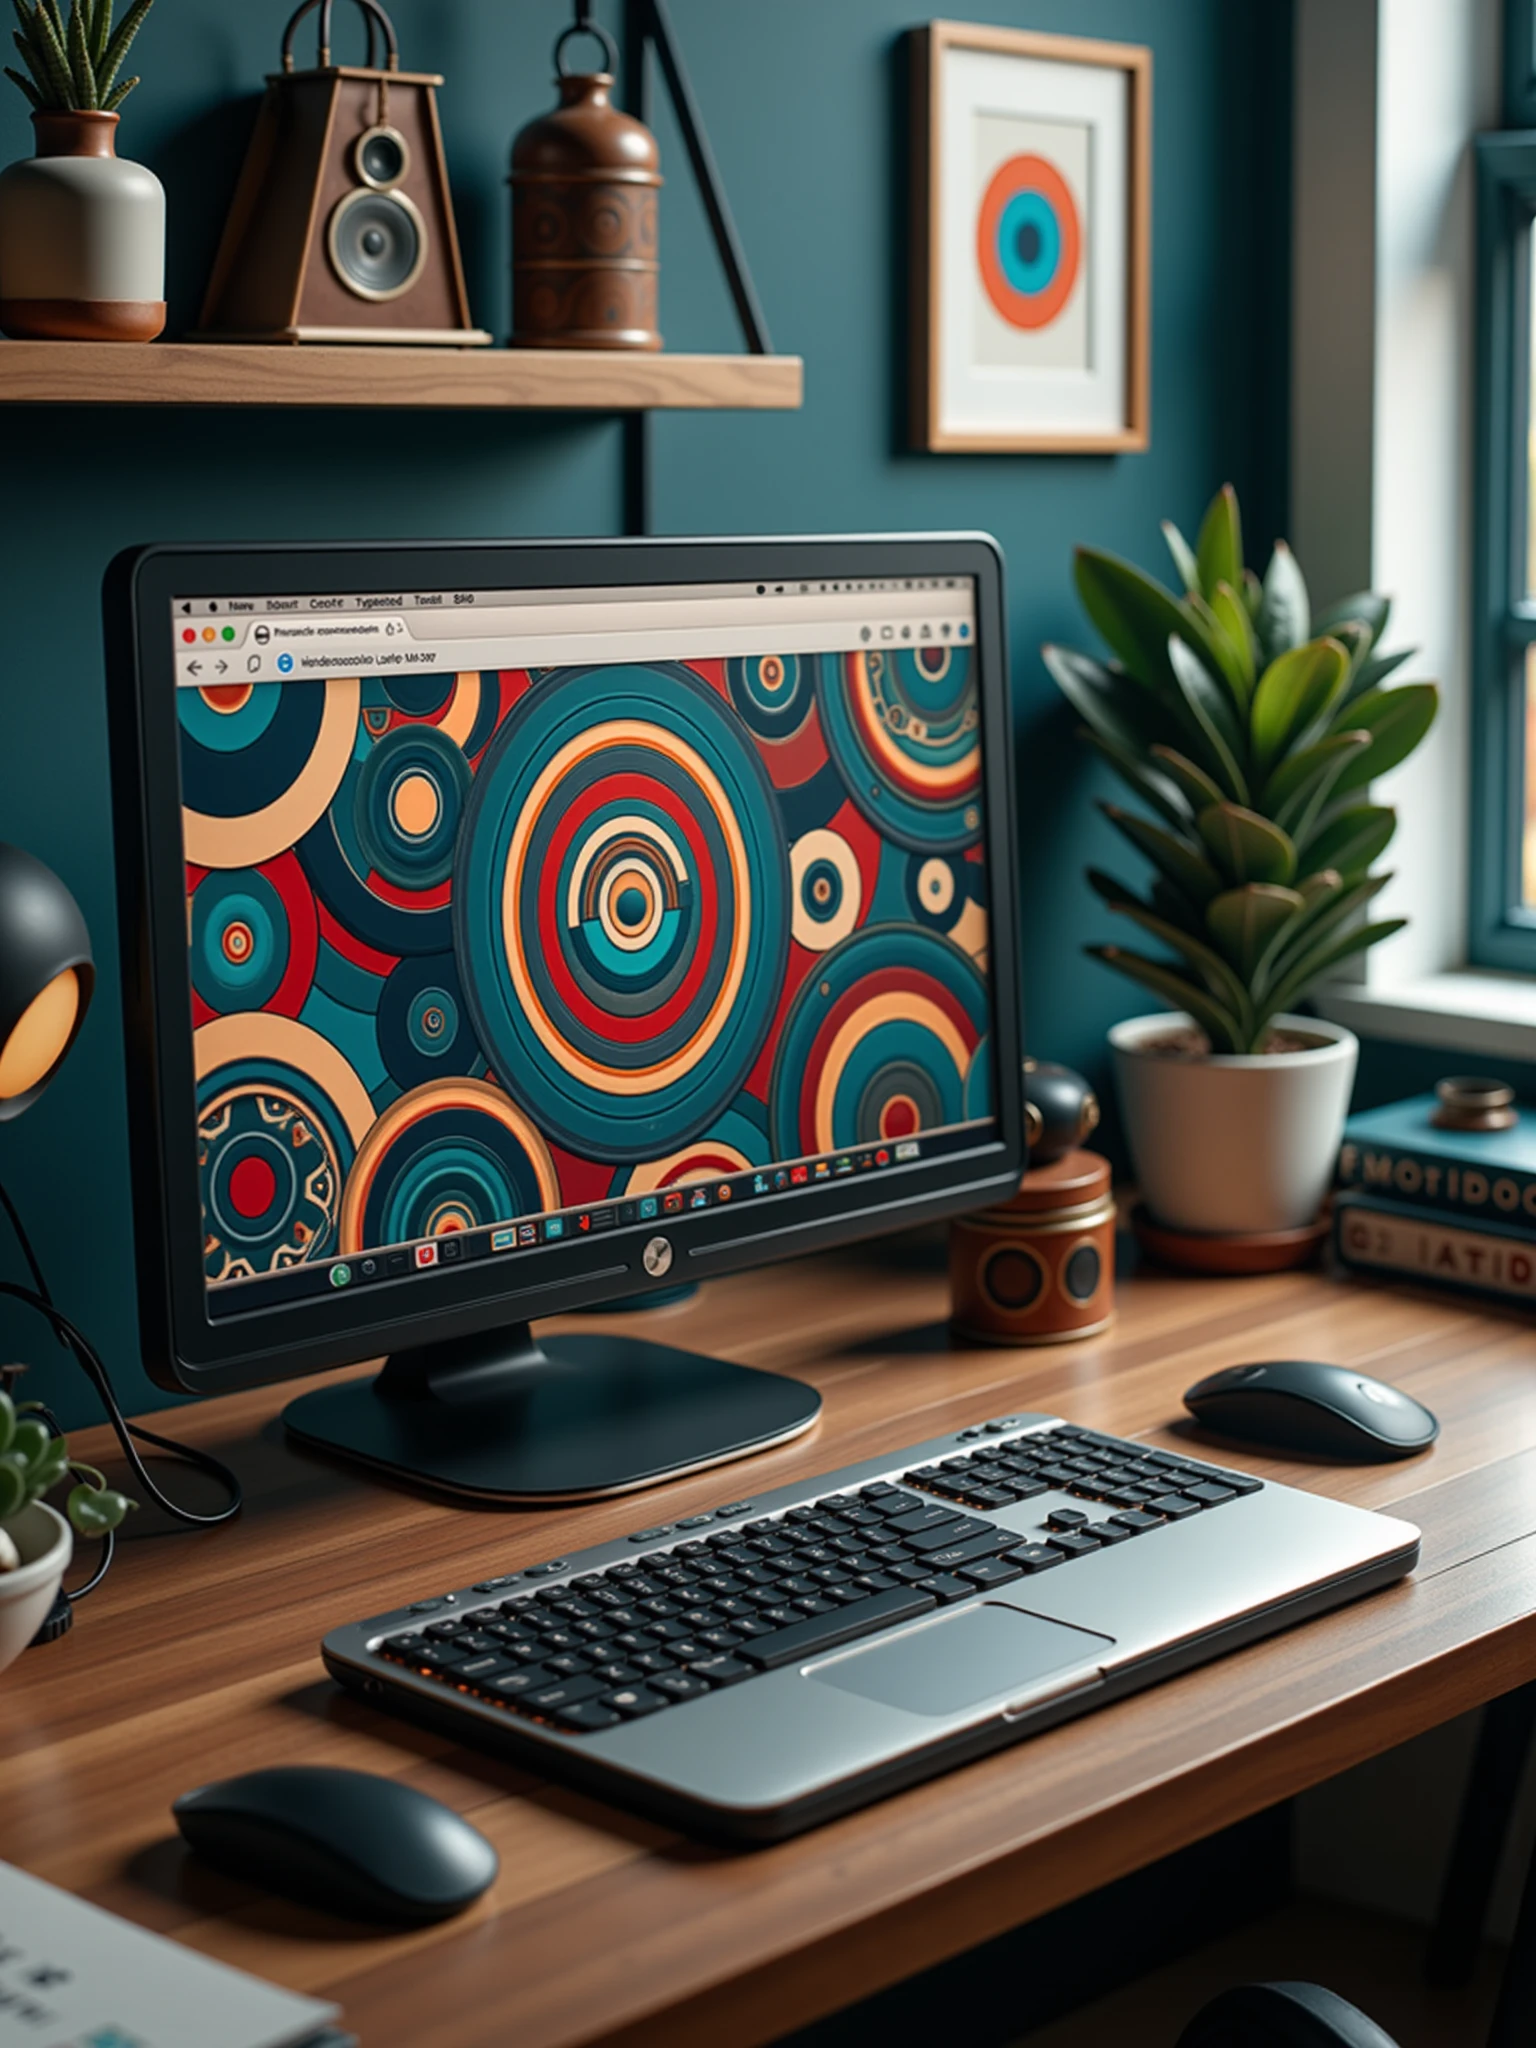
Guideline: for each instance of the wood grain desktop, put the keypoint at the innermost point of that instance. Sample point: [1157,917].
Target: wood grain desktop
[199,1658]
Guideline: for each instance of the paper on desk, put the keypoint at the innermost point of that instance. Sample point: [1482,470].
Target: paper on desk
[72,1976]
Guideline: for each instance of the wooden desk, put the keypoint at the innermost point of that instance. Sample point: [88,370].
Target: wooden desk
[199,1659]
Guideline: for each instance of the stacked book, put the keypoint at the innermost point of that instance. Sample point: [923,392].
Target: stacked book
[1455,1207]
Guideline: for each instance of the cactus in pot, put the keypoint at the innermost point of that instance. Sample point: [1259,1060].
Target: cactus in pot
[1249,731]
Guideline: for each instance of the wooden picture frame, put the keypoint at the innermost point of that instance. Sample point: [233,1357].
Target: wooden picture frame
[1031,265]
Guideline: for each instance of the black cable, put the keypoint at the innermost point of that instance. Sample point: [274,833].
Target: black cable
[73,1339]
[126,1431]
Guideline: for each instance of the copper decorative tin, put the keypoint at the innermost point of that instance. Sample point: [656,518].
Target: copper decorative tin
[584,220]
[1041,1268]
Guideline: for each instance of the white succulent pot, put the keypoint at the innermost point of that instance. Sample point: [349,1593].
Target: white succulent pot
[82,238]
[1233,1141]
[26,1594]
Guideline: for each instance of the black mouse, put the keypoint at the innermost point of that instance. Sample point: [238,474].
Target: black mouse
[348,1841]
[1328,1411]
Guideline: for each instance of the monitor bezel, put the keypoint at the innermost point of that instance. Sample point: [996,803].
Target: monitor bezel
[186,1350]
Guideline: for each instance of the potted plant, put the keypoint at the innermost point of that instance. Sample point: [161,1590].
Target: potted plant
[1249,731]
[82,234]
[35,1539]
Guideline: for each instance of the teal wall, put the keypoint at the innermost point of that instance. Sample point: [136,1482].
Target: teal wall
[806,109]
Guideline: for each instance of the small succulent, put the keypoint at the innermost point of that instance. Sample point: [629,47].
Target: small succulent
[73,65]
[1251,731]
[32,1460]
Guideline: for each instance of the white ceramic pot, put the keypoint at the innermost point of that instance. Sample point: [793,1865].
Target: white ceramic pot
[26,1594]
[82,238]
[1235,1141]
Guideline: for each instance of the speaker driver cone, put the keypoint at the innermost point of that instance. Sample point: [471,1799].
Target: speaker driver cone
[378,244]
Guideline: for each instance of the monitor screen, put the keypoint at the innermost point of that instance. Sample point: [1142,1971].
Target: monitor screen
[518,917]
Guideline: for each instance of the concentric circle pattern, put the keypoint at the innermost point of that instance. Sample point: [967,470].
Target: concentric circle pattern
[880,1043]
[828,889]
[449,1156]
[407,802]
[278,1116]
[423,1026]
[904,728]
[254,939]
[259,764]
[621,906]
[1028,241]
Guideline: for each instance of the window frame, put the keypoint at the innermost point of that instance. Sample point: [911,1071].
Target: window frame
[1502,926]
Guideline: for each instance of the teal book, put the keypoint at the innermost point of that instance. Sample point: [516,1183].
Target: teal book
[1403,1242]
[1397,1154]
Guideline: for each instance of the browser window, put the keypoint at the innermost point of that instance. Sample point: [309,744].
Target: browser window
[520,916]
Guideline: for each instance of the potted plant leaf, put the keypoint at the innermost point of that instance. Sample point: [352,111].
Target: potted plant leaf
[35,1539]
[1249,733]
[82,232]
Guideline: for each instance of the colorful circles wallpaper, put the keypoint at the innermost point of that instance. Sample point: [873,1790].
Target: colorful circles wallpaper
[465,948]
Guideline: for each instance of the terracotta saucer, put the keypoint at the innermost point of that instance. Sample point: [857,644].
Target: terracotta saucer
[1252,1251]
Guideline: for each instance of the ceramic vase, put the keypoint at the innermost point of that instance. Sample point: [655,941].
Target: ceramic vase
[26,1594]
[1233,1142]
[82,238]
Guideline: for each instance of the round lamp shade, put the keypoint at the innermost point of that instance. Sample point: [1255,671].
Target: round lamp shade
[46,977]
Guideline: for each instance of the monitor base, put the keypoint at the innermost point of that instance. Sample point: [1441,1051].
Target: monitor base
[503,1418]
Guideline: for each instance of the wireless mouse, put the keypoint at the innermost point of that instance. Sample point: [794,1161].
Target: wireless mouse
[1296,1404]
[347,1841]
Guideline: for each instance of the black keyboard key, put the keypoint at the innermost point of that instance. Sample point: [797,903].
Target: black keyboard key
[816,1604]
[479,1669]
[1240,1482]
[1108,1532]
[566,1692]
[718,1639]
[920,1519]
[516,1685]
[945,1587]
[635,1701]
[992,1571]
[619,1674]
[1075,1542]
[1173,1506]
[566,1665]
[723,1670]
[1027,1487]
[1137,1522]
[989,1496]
[807,1638]
[1124,1496]
[1066,1518]
[587,1717]
[954,1529]
[653,1661]
[911,1573]
[1210,1496]
[877,1582]
[1037,1557]
[680,1685]
[987,1544]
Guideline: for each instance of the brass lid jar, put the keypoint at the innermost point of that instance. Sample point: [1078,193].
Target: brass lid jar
[584,219]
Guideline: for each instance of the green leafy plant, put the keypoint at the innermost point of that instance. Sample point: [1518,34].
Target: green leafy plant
[1250,731]
[73,65]
[32,1462]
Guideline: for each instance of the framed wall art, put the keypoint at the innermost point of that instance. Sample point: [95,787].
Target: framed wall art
[1032,241]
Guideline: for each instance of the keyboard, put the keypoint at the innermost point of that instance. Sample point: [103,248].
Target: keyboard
[759,1667]
[721,1598]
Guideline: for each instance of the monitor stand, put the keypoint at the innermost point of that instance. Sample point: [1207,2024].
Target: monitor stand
[503,1417]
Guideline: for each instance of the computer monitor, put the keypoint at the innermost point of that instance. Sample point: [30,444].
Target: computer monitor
[511,927]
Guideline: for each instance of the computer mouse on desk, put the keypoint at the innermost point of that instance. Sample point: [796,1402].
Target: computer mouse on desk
[1322,1411]
[347,1841]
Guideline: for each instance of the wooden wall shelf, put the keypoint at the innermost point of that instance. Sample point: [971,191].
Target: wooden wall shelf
[214,373]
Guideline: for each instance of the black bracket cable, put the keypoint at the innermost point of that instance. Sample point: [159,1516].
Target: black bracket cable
[74,1339]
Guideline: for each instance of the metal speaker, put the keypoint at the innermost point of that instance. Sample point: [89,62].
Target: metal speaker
[378,243]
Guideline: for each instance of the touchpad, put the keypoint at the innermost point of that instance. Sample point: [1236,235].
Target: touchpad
[942,1666]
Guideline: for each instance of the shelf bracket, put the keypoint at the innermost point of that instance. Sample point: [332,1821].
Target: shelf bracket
[647,27]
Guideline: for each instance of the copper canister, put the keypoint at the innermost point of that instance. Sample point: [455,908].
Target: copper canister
[584,231]
[1041,1268]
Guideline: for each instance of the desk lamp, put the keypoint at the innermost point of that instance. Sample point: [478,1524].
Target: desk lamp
[47,977]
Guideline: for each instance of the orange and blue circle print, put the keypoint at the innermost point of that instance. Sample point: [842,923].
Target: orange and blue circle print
[1028,241]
